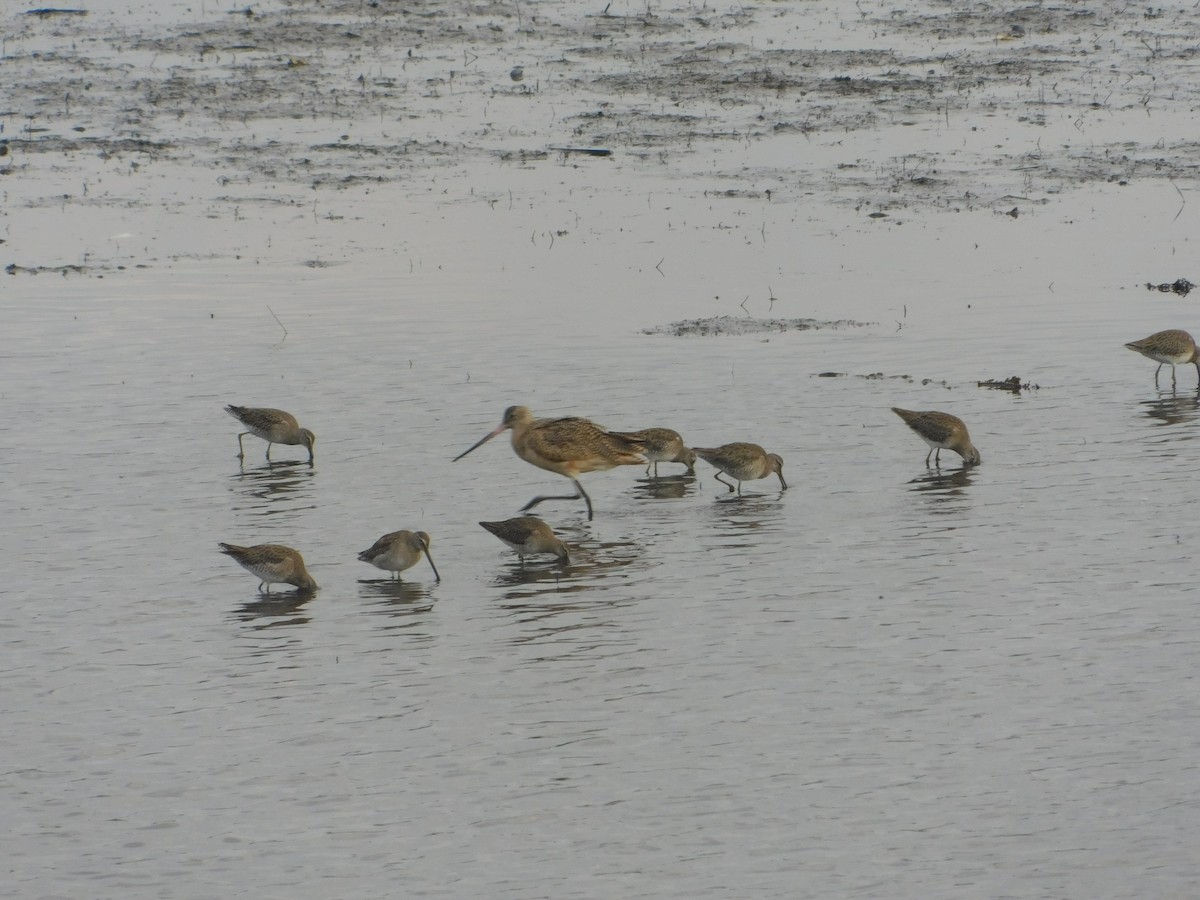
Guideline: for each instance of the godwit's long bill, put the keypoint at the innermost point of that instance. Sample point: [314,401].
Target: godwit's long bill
[1173,347]
[569,447]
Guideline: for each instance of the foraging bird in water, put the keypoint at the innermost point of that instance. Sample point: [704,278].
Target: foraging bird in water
[1172,347]
[272,564]
[529,534]
[569,447]
[662,445]
[743,462]
[272,425]
[398,551]
[941,431]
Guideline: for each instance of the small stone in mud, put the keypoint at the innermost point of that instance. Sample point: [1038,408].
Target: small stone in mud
[1180,286]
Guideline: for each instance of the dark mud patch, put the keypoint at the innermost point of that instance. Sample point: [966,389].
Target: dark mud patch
[1180,286]
[1014,384]
[940,104]
[743,325]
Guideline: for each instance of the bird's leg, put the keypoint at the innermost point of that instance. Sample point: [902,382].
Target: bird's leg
[241,449]
[1172,376]
[268,449]
[1156,371]
[648,466]
[724,482]
[927,455]
[937,458]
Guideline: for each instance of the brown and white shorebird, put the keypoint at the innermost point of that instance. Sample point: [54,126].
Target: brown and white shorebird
[272,425]
[742,462]
[527,535]
[662,445]
[1172,347]
[569,447]
[272,564]
[941,431]
[398,551]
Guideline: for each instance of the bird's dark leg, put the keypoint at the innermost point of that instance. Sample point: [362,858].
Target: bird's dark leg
[937,458]
[1156,371]
[724,482]
[927,455]
[581,493]
[241,449]
[268,449]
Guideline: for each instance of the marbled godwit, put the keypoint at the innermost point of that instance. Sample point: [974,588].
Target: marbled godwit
[398,551]
[941,431]
[662,445]
[743,462]
[568,447]
[529,534]
[1172,347]
[272,564]
[272,425]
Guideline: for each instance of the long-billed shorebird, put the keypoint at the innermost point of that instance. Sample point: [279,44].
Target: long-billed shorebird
[398,551]
[662,445]
[568,447]
[941,431]
[1173,347]
[272,425]
[527,535]
[272,564]
[742,462]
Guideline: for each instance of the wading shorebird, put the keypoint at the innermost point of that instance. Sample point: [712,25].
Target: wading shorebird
[568,447]
[398,551]
[272,564]
[662,445]
[1172,347]
[272,425]
[527,535]
[742,462]
[941,431]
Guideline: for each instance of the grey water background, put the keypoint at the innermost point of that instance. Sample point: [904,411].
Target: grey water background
[884,682]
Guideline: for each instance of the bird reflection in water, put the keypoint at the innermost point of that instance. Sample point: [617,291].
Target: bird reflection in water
[743,520]
[1171,408]
[663,487]
[591,563]
[948,486]
[399,599]
[273,481]
[276,610]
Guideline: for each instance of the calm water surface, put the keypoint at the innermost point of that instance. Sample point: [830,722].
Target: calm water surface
[887,681]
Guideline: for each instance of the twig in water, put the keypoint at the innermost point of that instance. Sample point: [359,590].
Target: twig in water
[1182,201]
[276,318]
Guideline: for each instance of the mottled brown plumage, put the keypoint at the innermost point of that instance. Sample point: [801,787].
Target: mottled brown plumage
[941,431]
[662,445]
[527,535]
[569,447]
[742,462]
[398,551]
[1173,347]
[272,425]
[272,564]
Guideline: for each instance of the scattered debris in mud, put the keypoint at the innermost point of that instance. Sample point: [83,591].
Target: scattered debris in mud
[881,376]
[738,325]
[96,271]
[1180,286]
[1013,384]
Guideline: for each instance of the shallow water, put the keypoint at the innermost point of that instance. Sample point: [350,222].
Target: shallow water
[887,681]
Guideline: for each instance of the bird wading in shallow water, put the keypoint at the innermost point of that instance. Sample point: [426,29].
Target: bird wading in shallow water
[1168,348]
[272,425]
[272,564]
[662,445]
[742,462]
[398,551]
[569,447]
[528,535]
[941,431]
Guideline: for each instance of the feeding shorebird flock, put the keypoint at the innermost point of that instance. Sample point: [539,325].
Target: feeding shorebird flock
[571,446]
